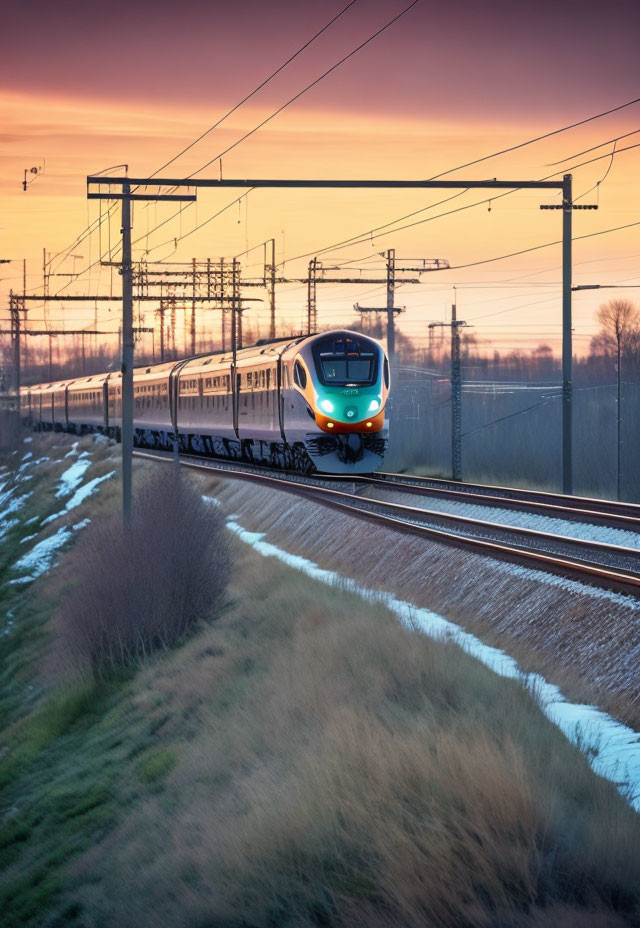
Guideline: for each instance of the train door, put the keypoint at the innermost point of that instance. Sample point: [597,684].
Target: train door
[280,395]
[236,381]
[105,403]
[174,393]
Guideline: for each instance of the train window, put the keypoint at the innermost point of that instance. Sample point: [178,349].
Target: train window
[345,360]
[358,370]
[299,375]
[335,370]
[249,384]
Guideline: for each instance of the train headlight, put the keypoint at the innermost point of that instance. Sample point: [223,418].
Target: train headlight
[373,405]
[327,405]
[329,425]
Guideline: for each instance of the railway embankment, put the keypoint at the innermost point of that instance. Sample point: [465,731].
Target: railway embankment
[298,758]
[583,639]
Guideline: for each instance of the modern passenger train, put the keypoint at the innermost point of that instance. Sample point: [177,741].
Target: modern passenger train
[309,403]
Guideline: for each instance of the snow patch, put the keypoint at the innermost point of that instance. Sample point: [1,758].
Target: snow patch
[41,556]
[30,463]
[72,477]
[27,440]
[13,505]
[79,496]
[612,749]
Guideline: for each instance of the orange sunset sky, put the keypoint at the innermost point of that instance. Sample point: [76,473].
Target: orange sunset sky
[83,89]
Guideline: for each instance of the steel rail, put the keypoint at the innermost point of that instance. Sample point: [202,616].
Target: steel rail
[576,569]
[572,508]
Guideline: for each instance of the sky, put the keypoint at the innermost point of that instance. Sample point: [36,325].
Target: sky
[84,87]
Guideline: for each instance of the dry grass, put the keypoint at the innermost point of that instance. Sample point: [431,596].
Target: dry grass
[137,591]
[329,767]
[586,645]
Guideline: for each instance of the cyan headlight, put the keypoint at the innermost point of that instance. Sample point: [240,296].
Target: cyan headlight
[327,405]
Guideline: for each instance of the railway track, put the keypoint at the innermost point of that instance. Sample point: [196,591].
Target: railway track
[610,566]
[538,502]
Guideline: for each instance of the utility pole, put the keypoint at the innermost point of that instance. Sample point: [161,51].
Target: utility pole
[161,312]
[193,309]
[14,312]
[391,280]
[567,349]
[619,411]
[223,326]
[456,391]
[127,356]
[236,318]
[24,313]
[271,269]
[312,303]
[456,399]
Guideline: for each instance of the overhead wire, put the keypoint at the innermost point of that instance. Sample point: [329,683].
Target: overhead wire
[255,90]
[617,138]
[263,84]
[297,96]
[313,83]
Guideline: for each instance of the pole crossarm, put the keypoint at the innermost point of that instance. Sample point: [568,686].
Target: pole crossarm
[147,297]
[320,184]
[174,197]
[55,332]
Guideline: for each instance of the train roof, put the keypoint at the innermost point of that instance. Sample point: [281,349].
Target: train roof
[264,349]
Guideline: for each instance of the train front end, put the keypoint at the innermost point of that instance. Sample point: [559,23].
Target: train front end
[346,385]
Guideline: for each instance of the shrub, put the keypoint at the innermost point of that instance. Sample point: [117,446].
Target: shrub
[141,590]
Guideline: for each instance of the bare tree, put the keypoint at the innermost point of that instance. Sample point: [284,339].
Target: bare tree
[620,321]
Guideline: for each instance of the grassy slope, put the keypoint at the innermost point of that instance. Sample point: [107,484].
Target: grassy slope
[302,761]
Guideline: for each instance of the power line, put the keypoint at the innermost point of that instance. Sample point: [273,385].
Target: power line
[586,151]
[513,254]
[297,96]
[539,138]
[369,236]
[89,229]
[292,100]
[309,86]
[254,91]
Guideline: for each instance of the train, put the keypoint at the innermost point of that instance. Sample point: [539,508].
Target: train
[308,403]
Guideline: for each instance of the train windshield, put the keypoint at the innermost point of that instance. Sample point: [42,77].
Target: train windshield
[345,360]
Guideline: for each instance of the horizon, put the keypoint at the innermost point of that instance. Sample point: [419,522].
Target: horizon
[367,111]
